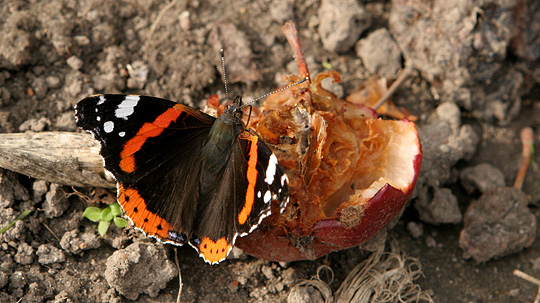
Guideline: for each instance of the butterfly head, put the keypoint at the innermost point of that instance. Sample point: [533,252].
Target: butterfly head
[233,111]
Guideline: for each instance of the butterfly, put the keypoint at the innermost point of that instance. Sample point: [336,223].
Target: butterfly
[184,176]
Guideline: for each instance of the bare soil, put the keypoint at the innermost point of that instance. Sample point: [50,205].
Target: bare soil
[54,53]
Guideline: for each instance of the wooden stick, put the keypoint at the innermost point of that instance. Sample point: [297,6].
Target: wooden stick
[59,157]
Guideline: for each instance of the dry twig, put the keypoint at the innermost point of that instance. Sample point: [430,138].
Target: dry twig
[527,139]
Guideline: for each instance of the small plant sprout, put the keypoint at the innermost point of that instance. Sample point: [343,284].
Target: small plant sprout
[105,216]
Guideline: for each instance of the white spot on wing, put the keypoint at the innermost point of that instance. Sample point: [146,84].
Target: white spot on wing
[101,100]
[271,169]
[127,107]
[267,196]
[283,179]
[121,134]
[259,194]
[108,126]
[98,118]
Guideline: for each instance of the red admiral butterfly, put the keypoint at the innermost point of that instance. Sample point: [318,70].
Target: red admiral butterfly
[185,176]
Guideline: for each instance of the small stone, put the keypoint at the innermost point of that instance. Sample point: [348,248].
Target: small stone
[56,202]
[535,264]
[513,292]
[443,208]
[65,122]
[138,75]
[183,19]
[39,188]
[53,82]
[35,125]
[40,88]
[75,243]
[282,11]
[482,177]
[430,242]
[15,47]
[237,253]
[5,96]
[415,229]
[17,280]
[74,62]
[3,279]
[25,254]
[267,272]
[11,189]
[48,254]
[289,276]
[498,224]
[380,53]
[341,23]
[139,268]
[81,40]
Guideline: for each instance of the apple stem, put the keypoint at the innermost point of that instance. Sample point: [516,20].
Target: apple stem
[290,32]
[527,139]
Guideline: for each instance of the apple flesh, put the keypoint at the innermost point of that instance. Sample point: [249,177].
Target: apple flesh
[350,172]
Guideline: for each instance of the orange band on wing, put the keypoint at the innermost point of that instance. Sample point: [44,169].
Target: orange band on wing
[148,130]
[135,208]
[214,252]
[252,180]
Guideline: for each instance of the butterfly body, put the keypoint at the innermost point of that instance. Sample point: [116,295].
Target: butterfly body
[185,176]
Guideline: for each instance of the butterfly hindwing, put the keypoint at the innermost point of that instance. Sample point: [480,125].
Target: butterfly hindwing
[252,179]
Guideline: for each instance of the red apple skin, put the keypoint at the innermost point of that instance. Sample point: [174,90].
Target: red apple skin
[275,243]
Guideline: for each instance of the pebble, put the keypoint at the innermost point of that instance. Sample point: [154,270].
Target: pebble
[74,62]
[48,254]
[341,23]
[25,254]
[415,229]
[380,53]
[498,224]
[483,177]
[139,268]
[39,85]
[53,82]
[282,11]
[3,279]
[185,22]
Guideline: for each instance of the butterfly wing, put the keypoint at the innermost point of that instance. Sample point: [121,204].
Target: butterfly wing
[152,148]
[250,182]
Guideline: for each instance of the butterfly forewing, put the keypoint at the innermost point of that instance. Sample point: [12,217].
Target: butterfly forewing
[150,145]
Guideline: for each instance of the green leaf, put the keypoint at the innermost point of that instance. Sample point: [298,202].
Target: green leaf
[103,226]
[10,224]
[326,64]
[120,222]
[106,215]
[115,208]
[92,213]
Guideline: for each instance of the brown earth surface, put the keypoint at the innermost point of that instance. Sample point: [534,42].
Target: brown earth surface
[475,85]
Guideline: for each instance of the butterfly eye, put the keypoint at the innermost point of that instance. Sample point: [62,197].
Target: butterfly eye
[239,114]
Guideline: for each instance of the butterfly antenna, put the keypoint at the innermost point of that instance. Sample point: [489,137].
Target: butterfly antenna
[276,91]
[224,74]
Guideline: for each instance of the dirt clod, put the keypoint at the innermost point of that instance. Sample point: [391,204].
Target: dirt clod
[497,224]
[139,268]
